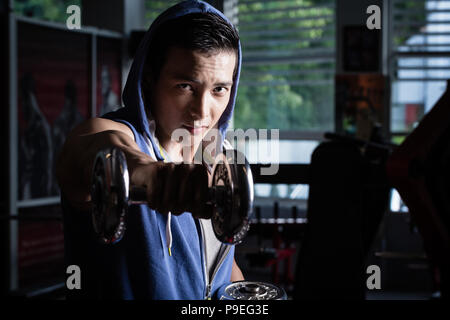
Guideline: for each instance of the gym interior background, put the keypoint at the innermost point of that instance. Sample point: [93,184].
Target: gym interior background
[349,102]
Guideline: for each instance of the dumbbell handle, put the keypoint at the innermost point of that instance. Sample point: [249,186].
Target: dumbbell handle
[138,195]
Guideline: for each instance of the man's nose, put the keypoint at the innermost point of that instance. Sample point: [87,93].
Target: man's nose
[200,106]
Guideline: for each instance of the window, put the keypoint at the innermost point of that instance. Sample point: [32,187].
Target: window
[154,8]
[420,60]
[288,65]
[49,10]
[287,80]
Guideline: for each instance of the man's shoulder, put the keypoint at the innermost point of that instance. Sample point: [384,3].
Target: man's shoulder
[96,125]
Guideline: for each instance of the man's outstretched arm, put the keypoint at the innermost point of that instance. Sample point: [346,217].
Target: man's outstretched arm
[170,187]
[75,162]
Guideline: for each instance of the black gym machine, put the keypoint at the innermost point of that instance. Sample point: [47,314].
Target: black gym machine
[349,189]
[350,181]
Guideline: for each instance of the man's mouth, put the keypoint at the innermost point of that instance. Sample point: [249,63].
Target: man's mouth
[194,130]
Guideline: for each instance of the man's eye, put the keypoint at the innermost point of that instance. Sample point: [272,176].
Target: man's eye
[220,90]
[184,86]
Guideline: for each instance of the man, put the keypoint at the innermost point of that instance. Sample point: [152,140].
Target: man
[184,77]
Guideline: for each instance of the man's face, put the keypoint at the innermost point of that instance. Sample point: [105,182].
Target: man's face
[192,92]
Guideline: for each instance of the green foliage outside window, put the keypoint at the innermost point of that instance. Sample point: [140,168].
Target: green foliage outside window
[408,11]
[293,95]
[49,10]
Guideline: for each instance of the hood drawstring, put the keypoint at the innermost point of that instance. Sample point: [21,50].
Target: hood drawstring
[169,233]
[169,215]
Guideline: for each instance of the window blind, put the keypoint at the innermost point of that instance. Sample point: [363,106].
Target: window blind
[419,59]
[420,40]
[289,42]
[287,79]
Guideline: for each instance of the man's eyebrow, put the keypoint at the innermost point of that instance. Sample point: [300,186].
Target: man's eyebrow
[224,84]
[184,77]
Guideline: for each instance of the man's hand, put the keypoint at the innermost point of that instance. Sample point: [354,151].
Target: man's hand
[174,188]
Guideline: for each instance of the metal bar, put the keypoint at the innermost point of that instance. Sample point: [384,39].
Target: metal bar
[62,26]
[423,54]
[93,75]
[38,202]
[13,153]
[399,68]
[287,174]
[386,47]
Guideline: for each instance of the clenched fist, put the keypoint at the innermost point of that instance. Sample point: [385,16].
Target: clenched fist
[174,188]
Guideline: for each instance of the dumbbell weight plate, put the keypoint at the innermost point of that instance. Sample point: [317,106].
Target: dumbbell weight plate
[232,197]
[110,189]
[251,290]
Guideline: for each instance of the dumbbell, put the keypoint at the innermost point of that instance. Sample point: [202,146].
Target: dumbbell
[230,195]
[251,290]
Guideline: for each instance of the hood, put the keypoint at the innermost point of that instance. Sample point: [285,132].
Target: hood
[132,95]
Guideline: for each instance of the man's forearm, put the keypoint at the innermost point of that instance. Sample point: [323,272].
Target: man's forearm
[75,163]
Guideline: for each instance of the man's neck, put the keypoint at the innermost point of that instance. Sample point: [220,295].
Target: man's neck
[173,149]
[177,152]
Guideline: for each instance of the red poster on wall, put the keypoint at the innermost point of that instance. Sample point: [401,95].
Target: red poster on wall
[54,96]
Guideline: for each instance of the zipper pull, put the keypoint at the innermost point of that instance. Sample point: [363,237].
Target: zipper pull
[208,291]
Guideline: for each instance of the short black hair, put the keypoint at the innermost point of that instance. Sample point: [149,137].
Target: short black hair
[204,32]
